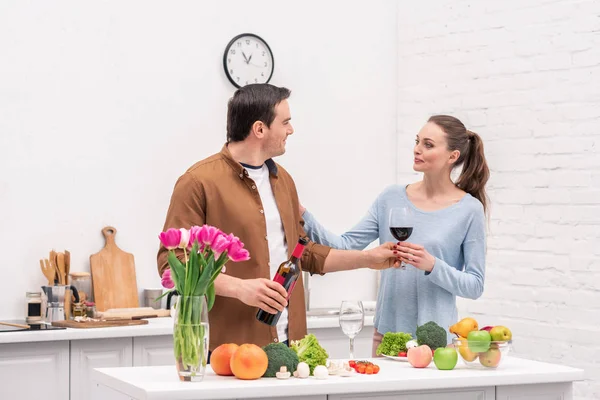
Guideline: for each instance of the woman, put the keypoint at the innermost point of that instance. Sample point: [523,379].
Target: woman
[446,250]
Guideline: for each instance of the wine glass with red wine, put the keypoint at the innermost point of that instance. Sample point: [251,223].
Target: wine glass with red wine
[401,225]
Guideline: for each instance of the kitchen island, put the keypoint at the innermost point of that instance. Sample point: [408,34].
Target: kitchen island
[515,379]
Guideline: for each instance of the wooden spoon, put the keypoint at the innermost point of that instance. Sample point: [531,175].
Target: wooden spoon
[67,266]
[15,325]
[54,266]
[60,263]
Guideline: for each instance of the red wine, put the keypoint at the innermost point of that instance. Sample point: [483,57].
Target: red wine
[401,234]
[287,275]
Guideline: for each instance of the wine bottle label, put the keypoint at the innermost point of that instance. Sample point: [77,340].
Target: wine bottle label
[281,280]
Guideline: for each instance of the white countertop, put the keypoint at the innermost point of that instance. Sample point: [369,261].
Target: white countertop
[162,383]
[155,327]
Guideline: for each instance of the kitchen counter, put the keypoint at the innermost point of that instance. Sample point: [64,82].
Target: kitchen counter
[155,327]
[396,380]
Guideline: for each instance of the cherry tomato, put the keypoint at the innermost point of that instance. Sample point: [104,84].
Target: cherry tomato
[361,369]
[352,363]
[375,368]
[402,354]
[369,370]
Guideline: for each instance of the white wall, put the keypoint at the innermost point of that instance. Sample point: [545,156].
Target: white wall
[526,76]
[104,104]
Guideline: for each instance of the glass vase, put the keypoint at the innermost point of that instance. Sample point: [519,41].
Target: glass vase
[190,337]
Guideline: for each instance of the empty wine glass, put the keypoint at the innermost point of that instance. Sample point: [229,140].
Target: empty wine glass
[401,225]
[352,320]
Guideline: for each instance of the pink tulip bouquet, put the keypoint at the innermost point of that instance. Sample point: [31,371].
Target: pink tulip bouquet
[205,251]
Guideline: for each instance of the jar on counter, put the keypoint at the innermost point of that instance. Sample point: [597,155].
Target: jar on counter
[83,282]
[33,307]
[90,309]
[79,310]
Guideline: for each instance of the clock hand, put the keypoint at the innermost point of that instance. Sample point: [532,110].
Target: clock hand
[249,59]
[246,58]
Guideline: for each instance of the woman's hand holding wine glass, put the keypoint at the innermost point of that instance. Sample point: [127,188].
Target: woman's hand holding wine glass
[415,255]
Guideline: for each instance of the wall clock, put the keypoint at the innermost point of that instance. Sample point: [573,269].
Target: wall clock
[248,59]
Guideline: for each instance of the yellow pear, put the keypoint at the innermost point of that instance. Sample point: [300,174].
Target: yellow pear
[465,352]
[464,326]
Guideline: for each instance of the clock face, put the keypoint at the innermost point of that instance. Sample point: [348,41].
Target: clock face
[248,59]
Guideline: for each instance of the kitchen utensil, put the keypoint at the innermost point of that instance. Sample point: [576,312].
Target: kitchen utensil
[130,313]
[113,275]
[54,266]
[48,266]
[17,325]
[48,271]
[55,310]
[67,264]
[28,327]
[99,324]
[60,263]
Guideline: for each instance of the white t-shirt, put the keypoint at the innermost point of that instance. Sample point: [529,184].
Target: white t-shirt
[278,250]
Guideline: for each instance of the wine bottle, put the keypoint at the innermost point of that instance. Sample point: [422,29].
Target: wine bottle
[287,275]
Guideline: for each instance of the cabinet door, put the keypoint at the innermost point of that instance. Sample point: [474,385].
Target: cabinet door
[96,353]
[34,370]
[487,393]
[546,391]
[153,350]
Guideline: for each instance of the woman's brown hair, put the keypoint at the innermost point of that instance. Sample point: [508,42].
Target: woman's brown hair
[475,172]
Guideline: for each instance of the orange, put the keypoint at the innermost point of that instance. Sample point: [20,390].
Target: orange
[249,362]
[221,357]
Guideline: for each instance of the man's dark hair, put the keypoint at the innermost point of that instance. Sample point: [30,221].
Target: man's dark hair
[252,103]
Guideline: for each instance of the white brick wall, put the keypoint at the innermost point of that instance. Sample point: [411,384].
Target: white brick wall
[526,76]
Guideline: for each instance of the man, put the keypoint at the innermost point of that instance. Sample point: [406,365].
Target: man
[241,190]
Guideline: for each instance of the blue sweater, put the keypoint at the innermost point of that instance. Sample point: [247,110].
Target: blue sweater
[455,236]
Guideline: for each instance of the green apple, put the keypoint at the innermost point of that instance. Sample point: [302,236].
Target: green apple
[479,341]
[490,358]
[445,358]
[500,334]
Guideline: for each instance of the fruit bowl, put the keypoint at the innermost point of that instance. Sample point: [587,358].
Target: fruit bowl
[482,354]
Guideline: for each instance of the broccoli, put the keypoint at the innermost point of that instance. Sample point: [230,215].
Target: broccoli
[432,335]
[279,354]
[310,351]
[393,343]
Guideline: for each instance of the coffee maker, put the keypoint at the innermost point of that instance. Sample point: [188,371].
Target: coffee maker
[55,301]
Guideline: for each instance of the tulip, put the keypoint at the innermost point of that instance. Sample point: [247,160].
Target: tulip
[194,236]
[207,234]
[185,238]
[220,244]
[166,280]
[236,251]
[171,238]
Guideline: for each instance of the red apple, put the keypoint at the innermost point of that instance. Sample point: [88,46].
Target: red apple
[487,328]
[419,357]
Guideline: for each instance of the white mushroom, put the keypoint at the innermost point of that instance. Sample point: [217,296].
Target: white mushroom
[303,370]
[321,372]
[283,373]
[411,343]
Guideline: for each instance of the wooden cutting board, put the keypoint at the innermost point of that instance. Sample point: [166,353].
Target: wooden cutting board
[98,324]
[113,275]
